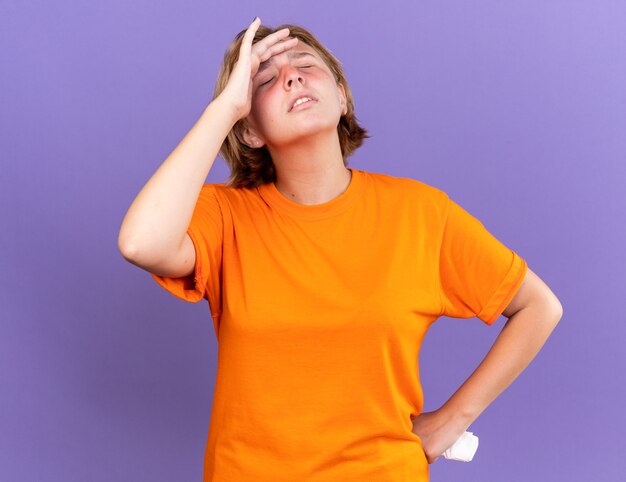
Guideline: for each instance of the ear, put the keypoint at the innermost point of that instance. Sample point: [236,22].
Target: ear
[343,98]
[250,137]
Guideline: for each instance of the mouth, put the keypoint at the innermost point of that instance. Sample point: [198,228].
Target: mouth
[301,102]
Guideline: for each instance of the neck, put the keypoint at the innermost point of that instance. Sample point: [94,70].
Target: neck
[311,171]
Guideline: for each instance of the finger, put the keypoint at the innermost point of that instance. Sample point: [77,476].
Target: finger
[272,38]
[276,49]
[246,42]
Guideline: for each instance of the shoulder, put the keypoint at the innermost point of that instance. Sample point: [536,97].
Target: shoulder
[222,192]
[408,189]
[231,200]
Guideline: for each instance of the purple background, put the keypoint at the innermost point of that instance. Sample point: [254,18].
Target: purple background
[516,109]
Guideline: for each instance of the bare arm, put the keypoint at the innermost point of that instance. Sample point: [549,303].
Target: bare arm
[153,234]
[157,220]
[533,313]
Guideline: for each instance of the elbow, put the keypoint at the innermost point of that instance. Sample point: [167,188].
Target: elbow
[550,306]
[126,246]
[127,250]
[552,313]
[547,308]
[546,315]
[554,306]
[141,254]
[129,245]
[559,311]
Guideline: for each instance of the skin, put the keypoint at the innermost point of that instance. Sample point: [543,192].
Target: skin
[532,314]
[305,149]
[304,143]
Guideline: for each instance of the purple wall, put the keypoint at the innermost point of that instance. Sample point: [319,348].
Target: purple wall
[516,109]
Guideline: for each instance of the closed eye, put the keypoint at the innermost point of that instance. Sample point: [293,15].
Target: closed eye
[271,78]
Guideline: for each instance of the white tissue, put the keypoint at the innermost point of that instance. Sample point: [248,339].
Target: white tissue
[463,449]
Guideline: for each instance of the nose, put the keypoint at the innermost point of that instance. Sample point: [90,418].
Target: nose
[292,76]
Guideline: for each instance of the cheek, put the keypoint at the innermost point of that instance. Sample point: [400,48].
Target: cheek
[255,103]
[264,102]
[262,111]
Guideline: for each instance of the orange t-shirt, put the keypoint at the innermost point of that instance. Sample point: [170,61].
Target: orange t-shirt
[320,311]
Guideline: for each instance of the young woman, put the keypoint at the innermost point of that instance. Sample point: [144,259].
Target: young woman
[321,279]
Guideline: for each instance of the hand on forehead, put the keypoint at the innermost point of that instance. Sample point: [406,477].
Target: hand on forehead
[296,52]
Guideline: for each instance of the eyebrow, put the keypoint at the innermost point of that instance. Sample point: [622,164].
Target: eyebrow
[293,55]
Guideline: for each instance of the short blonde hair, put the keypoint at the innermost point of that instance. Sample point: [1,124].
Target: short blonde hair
[251,167]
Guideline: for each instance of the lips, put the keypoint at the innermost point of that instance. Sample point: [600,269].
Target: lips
[300,96]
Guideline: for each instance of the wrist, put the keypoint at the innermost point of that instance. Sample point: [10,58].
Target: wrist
[458,414]
[228,109]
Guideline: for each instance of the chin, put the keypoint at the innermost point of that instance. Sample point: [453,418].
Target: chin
[308,128]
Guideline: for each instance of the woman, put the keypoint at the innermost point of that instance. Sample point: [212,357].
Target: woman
[322,280]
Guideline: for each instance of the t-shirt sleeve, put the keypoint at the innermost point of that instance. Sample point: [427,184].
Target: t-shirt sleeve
[206,230]
[479,275]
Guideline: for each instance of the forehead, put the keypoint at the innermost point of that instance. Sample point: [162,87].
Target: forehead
[300,51]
